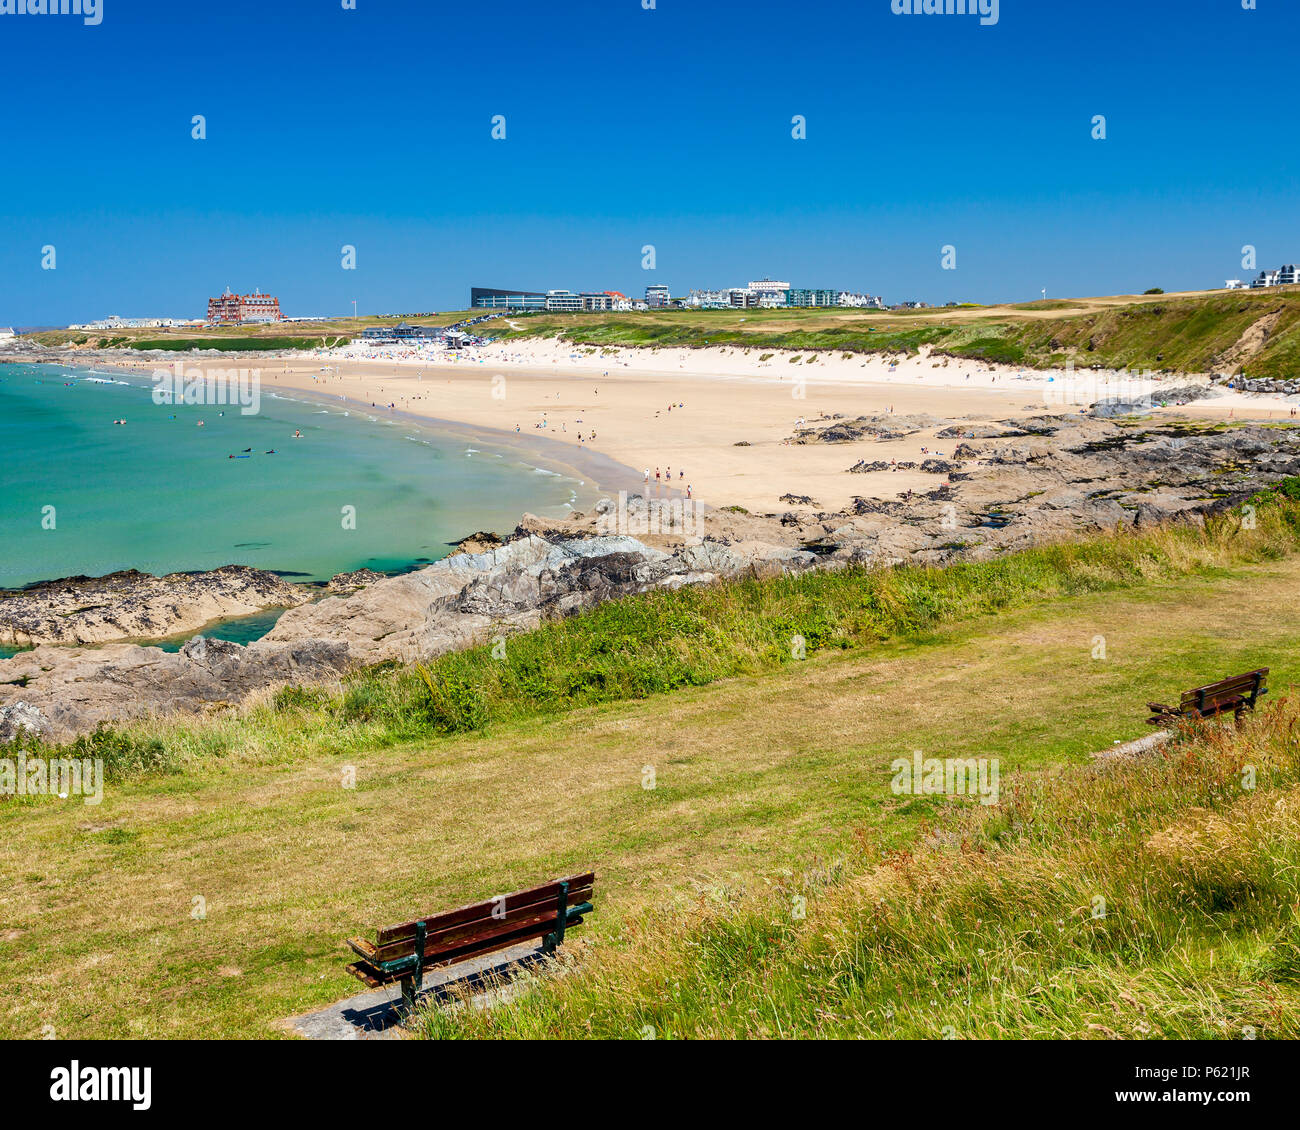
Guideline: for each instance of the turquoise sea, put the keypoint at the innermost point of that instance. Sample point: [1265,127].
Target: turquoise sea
[161,494]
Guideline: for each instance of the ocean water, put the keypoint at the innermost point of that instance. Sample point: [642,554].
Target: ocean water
[82,495]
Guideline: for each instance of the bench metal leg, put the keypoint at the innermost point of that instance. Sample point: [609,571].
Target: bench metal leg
[414,981]
[552,940]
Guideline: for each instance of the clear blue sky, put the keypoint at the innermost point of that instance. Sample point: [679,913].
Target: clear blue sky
[626,127]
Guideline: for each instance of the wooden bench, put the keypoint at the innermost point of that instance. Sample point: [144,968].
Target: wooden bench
[403,953]
[1237,694]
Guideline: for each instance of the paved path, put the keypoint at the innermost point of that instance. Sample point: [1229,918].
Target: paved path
[374,1015]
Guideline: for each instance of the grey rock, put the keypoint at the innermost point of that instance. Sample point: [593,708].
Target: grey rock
[133,605]
[18,717]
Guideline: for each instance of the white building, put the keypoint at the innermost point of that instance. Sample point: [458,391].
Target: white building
[564,301]
[848,298]
[1288,275]
[657,295]
[769,294]
[114,322]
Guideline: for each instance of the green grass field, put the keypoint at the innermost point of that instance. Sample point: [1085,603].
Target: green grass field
[1152,899]
[210,893]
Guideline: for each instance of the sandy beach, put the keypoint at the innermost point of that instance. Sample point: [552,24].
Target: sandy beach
[716,422]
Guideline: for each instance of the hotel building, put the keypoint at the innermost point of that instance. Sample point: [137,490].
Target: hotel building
[255,307]
[769,294]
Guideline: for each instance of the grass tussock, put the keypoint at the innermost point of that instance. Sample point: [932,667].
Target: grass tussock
[1156,897]
[660,642]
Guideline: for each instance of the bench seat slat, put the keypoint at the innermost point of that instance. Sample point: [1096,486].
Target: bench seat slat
[1238,682]
[534,925]
[1235,695]
[479,910]
[376,977]
[467,931]
[1227,694]
[472,931]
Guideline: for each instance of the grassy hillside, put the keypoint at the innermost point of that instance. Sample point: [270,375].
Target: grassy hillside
[1150,899]
[1186,333]
[767,767]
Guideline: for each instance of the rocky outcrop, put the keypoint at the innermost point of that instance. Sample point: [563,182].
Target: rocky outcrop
[1126,406]
[1284,387]
[445,606]
[867,427]
[479,542]
[75,688]
[133,605]
[342,583]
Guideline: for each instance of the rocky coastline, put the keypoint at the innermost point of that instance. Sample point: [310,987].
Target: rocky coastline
[1021,482]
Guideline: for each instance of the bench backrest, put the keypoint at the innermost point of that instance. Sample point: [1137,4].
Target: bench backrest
[480,927]
[1210,698]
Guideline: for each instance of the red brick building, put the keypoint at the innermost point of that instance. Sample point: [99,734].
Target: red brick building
[255,307]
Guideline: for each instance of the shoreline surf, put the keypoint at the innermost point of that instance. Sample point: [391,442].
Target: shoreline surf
[441,493]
